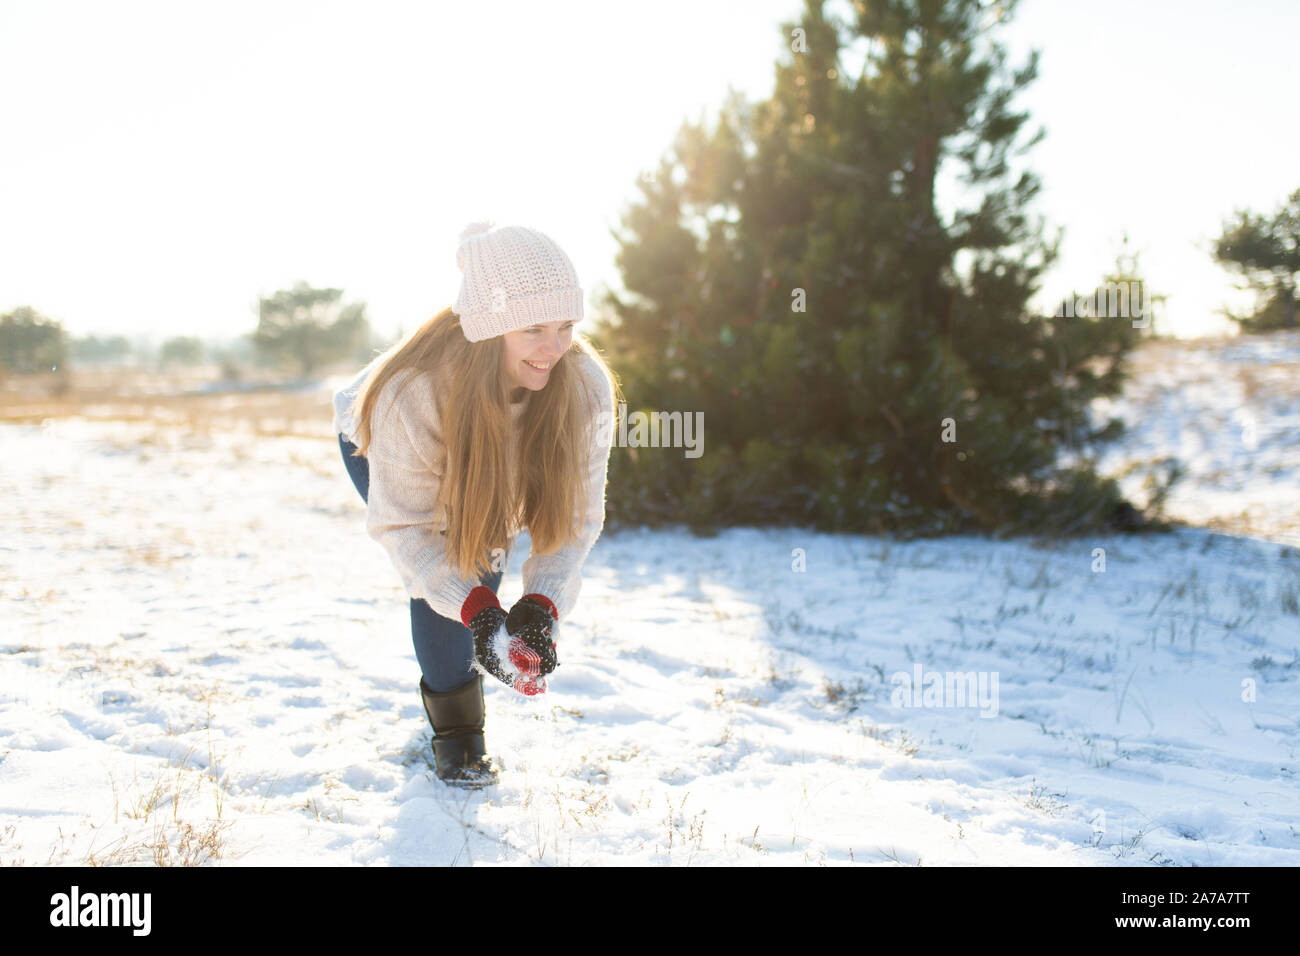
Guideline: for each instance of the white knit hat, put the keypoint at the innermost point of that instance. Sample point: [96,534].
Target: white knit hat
[512,277]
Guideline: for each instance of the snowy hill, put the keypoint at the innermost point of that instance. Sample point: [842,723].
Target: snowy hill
[1229,411]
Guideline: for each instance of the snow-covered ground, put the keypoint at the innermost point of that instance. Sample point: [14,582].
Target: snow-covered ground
[203,658]
[1229,411]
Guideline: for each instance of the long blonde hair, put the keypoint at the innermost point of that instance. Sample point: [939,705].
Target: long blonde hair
[473,406]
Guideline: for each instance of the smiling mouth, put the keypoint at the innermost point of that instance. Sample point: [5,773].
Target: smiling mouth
[540,368]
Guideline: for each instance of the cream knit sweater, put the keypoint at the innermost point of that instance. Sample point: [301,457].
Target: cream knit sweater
[407,458]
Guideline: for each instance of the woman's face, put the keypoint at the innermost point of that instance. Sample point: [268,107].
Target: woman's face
[539,345]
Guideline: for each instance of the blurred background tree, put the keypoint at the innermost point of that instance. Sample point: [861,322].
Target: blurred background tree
[1265,251]
[31,342]
[180,350]
[309,327]
[93,350]
[787,273]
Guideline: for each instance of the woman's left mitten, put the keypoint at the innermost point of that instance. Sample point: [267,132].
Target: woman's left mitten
[533,623]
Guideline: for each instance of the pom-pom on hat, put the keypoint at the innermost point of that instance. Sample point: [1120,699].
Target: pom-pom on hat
[512,277]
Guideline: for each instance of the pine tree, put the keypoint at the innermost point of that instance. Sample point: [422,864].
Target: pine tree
[1265,252]
[790,275]
[309,326]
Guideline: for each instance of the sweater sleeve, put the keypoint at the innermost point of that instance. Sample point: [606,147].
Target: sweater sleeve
[558,576]
[407,460]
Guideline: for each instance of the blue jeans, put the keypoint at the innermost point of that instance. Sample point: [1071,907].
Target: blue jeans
[444,648]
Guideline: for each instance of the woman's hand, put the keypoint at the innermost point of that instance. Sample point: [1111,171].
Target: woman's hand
[533,621]
[500,655]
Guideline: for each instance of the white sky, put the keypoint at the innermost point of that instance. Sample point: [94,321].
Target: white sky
[164,164]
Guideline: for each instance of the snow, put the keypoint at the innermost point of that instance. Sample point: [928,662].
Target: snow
[1229,410]
[204,659]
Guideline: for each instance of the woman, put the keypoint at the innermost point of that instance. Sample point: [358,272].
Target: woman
[493,416]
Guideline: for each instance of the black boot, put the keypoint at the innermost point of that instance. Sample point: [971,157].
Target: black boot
[457,720]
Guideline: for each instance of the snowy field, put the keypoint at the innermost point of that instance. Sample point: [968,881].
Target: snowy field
[204,659]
